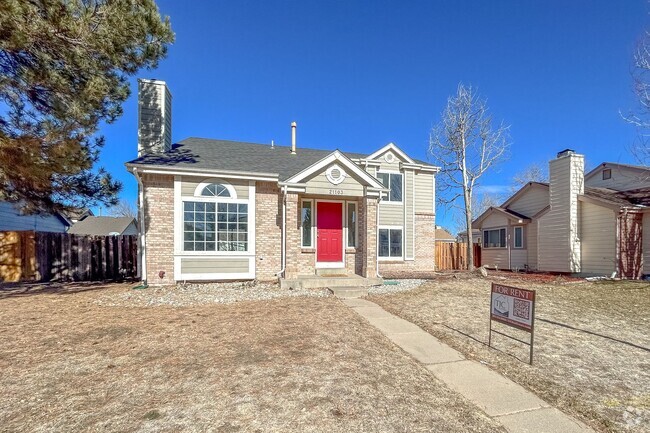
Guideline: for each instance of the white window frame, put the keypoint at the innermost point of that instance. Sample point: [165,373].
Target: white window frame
[494,229]
[514,237]
[356,224]
[313,218]
[390,258]
[387,199]
[199,189]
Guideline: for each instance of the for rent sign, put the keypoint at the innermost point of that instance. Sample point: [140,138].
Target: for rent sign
[513,306]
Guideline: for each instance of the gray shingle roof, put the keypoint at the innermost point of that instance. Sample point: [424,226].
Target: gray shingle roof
[223,155]
[100,225]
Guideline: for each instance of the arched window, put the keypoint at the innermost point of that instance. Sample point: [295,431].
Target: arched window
[215,190]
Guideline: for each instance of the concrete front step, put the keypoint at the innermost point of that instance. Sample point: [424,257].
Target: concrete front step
[315,282]
[332,272]
[349,292]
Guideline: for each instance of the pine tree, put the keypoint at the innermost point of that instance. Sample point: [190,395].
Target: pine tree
[64,68]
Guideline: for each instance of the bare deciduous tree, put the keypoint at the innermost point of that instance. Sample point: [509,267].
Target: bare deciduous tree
[124,208]
[533,173]
[465,146]
[640,117]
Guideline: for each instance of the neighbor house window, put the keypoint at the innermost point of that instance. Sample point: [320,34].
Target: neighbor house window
[494,238]
[213,226]
[305,222]
[390,243]
[392,181]
[352,225]
[607,173]
[519,237]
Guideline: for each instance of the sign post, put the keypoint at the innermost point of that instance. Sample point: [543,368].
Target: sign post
[513,307]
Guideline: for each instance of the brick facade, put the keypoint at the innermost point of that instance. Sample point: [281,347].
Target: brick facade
[159,227]
[268,229]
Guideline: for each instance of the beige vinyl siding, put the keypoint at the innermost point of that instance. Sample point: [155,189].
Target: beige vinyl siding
[494,221]
[215,265]
[531,247]
[646,243]
[189,184]
[518,257]
[559,246]
[424,194]
[391,214]
[319,184]
[623,178]
[495,257]
[531,202]
[598,235]
[409,185]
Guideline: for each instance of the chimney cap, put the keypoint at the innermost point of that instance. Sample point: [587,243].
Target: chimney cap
[566,152]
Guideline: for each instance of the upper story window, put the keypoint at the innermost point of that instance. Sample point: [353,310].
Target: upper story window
[607,173]
[392,181]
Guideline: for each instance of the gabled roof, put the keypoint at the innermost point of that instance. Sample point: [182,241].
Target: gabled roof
[599,167]
[444,235]
[630,198]
[394,148]
[510,214]
[100,225]
[196,154]
[522,191]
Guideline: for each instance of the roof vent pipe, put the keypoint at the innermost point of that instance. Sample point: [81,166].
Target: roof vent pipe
[293,138]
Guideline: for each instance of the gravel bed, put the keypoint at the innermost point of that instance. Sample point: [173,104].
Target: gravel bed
[401,286]
[185,295]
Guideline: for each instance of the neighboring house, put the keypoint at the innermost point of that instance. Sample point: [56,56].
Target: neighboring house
[443,235]
[104,226]
[476,236]
[76,215]
[585,224]
[12,219]
[224,210]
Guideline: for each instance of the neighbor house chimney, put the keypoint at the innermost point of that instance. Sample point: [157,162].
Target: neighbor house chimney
[293,138]
[154,117]
[559,237]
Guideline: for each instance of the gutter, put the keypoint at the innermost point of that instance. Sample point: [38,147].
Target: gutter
[377,238]
[142,231]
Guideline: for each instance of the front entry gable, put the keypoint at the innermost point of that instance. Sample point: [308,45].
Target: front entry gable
[336,174]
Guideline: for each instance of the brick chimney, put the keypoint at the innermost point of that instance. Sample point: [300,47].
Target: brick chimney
[559,235]
[154,117]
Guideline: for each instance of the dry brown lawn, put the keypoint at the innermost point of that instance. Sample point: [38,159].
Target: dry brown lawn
[69,364]
[592,341]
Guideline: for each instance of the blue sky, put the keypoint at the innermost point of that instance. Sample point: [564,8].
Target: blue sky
[357,75]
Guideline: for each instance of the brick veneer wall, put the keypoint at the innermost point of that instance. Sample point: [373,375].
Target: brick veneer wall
[368,237]
[159,227]
[425,259]
[292,237]
[268,229]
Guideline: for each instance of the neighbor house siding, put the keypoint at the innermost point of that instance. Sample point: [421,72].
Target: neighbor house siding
[12,220]
[623,178]
[190,183]
[598,235]
[559,244]
[531,239]
[531,202]
[646,243]
[495,257]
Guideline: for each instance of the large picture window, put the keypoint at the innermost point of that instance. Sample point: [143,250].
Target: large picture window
[209,226]
[494,238]
[392,181]
[390,243]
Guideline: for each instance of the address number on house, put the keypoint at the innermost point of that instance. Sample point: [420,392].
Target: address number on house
[336,192]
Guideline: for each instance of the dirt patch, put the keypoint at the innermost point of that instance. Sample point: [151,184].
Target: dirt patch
[286,365]
[592,340]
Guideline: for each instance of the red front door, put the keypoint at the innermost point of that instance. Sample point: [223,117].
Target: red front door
[329,226]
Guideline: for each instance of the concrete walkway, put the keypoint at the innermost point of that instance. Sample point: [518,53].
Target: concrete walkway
[517,409]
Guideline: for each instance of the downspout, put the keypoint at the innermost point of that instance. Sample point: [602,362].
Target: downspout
[143,257]
[283,246]
[377,237]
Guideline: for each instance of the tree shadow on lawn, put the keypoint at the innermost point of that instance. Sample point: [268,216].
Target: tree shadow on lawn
[21,290]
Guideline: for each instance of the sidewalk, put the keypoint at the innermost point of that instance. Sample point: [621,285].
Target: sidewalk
[517,409]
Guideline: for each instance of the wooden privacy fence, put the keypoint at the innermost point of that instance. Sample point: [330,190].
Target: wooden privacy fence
[453,256]
[40,256]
